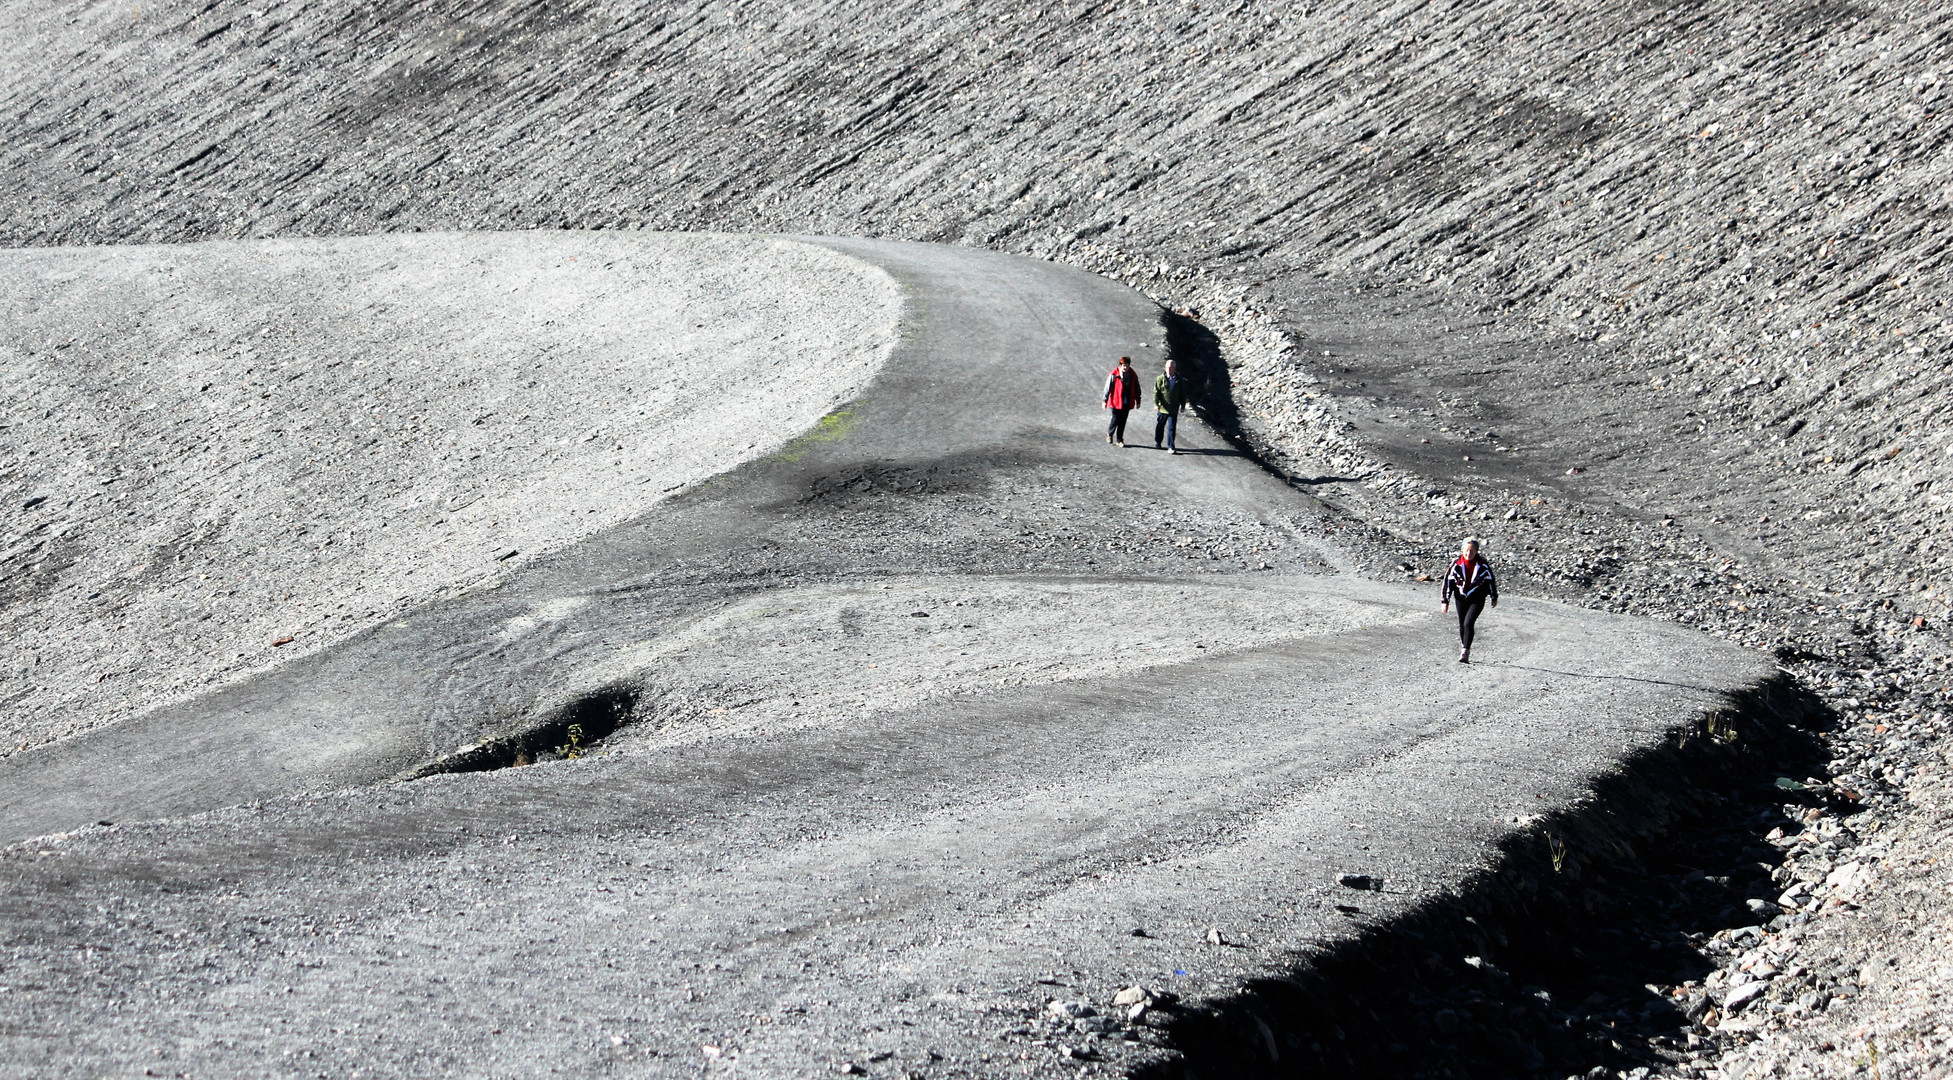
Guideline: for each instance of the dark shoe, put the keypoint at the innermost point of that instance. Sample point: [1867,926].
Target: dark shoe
[1464,656]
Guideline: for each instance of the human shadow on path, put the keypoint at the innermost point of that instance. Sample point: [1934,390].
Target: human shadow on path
[1600,676]
[1211,392]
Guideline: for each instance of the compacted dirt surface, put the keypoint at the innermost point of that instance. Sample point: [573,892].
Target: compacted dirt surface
[1651,296]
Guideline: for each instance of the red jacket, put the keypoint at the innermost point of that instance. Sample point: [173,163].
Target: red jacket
[1122,393]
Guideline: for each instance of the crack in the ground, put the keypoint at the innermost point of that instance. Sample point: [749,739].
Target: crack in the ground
[567,731]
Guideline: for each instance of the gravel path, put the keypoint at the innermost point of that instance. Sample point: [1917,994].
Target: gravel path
[935,717]
[216,448]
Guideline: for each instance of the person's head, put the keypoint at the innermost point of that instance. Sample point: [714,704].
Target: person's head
[1172,369]
[1468,549]
[1125,361]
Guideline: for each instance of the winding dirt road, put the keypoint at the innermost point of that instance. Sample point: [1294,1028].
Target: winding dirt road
[924,724]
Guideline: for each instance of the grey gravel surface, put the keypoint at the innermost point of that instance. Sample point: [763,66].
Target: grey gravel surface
[221,455]
[785,885]
[1685,264]
[787,902]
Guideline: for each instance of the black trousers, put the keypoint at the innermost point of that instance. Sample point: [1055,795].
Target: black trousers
[1116,427]
[1468,618]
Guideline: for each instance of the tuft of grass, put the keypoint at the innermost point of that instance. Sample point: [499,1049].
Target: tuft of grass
[1556,847]
[573,749]
[1719,728]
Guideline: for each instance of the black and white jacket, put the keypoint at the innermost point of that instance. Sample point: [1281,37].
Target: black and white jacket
[1470,581]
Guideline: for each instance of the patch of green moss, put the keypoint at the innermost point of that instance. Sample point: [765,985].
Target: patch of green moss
[833,427]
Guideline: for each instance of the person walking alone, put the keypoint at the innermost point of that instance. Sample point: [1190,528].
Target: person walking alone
[1470,583]
[1168,395]
[1121,395]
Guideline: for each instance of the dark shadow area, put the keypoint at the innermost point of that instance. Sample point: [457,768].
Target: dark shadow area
[568,732]
[968,472]
[1197,352]
[1544,966]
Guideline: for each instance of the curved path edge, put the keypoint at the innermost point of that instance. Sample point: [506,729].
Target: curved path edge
[903,888]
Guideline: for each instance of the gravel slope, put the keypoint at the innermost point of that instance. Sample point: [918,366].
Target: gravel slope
[214,448]
[1713,217]
[1695,252]
[905,891]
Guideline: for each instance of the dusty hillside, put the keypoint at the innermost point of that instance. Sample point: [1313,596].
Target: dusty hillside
[1718,228]
[224,455]
[1663,287]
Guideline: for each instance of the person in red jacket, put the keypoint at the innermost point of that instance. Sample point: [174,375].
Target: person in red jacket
[1471,583]
[1121,396]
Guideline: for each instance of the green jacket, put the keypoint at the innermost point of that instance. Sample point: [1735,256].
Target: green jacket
[1167,397]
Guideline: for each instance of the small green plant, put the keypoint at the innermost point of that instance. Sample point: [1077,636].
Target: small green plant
[1556,847]
[573,749]
[830,428]
[1719,728]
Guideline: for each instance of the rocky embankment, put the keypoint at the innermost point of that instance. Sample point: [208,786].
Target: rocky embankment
[1652,296]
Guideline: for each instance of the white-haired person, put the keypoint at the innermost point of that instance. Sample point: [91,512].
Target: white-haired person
[1169,393]
[1470,583]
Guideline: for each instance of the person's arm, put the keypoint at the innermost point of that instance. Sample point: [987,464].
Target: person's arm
[1106,398]
[1444,595]
[1492,586]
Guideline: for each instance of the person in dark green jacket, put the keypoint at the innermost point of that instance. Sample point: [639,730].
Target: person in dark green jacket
[1169,393]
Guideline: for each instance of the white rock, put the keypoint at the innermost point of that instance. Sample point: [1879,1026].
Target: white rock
[1131,995]
[1744,994]
[1849,879]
